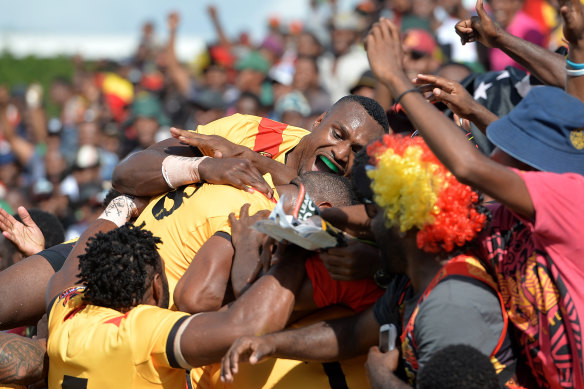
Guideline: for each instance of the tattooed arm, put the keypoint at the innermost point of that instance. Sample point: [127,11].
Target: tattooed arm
[116,214]
[22,360]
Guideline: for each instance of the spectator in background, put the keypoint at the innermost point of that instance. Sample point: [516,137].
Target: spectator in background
[510,16]
[422,53]
[147,123]
[306,80]
[252,70]
[365,86]
[341,67]
[207,106]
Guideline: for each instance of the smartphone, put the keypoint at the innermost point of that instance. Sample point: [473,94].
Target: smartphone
[387,335]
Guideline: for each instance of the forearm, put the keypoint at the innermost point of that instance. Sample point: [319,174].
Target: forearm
[245,259]
[545,65]
[264,308]
[385,379]
[22,360]
[329,340]
[141,173]
[482,117]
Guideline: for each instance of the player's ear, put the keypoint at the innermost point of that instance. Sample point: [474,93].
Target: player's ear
[157,289]
[320,118]
[325,204]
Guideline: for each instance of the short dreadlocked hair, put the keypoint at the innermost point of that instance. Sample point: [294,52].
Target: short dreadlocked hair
[118,266]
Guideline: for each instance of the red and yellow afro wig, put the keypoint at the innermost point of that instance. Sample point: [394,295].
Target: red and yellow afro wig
[416,190]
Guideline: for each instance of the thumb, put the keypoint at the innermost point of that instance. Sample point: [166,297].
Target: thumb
[217,154]
[25,217]
[256,356]
[481,10]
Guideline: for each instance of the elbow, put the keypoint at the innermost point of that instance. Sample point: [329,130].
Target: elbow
[193,302]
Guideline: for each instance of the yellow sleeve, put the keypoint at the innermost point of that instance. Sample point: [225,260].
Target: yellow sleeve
[164,328]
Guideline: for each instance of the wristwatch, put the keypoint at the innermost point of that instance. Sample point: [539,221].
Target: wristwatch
[381,278]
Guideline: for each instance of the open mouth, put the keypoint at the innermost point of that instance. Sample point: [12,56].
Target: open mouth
[324,164]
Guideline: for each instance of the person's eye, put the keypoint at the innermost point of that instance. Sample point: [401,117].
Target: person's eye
[337,134]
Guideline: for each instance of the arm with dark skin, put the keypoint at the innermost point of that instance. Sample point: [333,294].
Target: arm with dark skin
[443,137]
[548,67]
[572,13]
[351,219]
[264,308]
[68,275]
[457,98]
[141,173]
[321,342]
[202,287]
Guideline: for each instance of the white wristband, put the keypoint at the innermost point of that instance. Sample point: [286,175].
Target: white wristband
[178,171]
[119,210]
[574,72]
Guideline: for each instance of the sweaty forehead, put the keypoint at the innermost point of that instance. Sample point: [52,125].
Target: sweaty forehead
[361,126]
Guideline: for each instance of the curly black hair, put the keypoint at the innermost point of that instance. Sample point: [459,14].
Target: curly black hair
[458,366]
[118,266]
[372,108]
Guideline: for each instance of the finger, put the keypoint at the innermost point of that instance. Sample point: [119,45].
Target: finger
[256,355]
[244,211]
[8,236]
[6,219]
[232,219]
[25,217]
[481,10]
[254,179]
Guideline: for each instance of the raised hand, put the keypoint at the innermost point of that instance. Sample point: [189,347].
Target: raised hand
[356,261]
[173,20]
[384,50]
[479,28]
[27,236]
[244,349]
[572,13]
[451,93]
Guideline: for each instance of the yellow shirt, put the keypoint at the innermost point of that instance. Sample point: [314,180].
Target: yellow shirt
[267,137]
[97,347]
[187,217]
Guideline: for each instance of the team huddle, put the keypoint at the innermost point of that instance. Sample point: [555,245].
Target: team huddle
[474,260]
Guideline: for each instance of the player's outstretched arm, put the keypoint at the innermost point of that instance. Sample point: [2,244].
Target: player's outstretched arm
[323,341]
[263,308]
[119,211]
[170,163]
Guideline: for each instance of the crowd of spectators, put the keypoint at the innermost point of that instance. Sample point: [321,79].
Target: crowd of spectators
[64,164]
[460,236]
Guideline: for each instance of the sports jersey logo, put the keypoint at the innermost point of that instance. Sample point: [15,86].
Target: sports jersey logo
[70,293]
[177,196]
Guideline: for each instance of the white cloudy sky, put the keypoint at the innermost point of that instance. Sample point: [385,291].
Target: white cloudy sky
[125,16]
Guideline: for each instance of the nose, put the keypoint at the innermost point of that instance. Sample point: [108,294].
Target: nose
[342,153]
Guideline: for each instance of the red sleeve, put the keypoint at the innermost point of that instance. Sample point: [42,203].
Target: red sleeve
[357,295]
